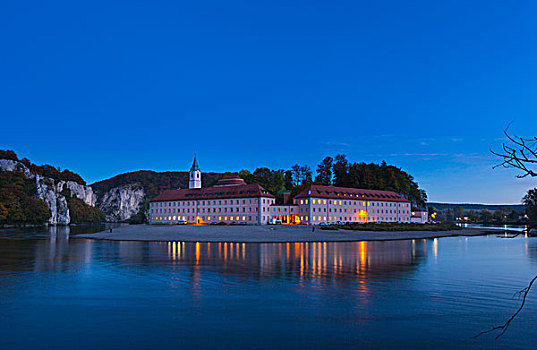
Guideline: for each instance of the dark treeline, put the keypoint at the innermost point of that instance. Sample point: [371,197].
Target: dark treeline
[340,172]
[503,215]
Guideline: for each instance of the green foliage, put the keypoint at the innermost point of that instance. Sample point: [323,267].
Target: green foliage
[17,202]
[272,180]
[8,154]
[530,201]
[447,226]
[374,177]
[3,212]
[138,218]
[458,212]
[81,213]
[324,172]
[66,192]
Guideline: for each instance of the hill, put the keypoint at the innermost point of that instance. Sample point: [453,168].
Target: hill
[153,182]
[475,206]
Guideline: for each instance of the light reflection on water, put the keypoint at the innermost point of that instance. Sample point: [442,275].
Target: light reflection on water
[59,290]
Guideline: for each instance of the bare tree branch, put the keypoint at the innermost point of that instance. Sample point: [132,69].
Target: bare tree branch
[520,156]
[524,293]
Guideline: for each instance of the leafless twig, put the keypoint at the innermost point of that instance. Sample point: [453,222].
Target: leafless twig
[522,154]
[524,293]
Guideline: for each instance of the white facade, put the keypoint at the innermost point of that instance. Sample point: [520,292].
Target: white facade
[233,210]
[316,210]
[419,216]
[194,179]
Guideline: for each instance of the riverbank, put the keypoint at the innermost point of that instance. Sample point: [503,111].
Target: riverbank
[264,234]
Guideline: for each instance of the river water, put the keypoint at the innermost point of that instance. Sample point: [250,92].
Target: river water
[60,292]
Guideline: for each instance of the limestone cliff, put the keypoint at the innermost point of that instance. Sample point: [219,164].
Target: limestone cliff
[51,191]
[122,202]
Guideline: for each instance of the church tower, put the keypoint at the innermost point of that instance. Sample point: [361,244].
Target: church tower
[194,177]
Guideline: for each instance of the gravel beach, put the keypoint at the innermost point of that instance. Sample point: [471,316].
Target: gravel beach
[261,234]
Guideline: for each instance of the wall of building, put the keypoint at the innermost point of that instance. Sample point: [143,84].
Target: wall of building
[248,210]
[317,210]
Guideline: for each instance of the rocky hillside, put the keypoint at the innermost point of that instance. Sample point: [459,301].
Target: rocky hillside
[152,182]
[68,198]
[123,196]
[53,192]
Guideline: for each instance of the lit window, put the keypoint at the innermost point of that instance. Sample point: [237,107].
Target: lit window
[301,201]
[244,218]
[314,218]
[313,201]
[324,202]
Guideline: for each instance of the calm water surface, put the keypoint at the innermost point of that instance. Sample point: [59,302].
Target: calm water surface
[60,292]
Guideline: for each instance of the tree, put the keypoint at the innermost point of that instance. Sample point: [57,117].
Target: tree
[486,215]
[340,169]
[305,173]
[449,215]
[498,215]
[295,173]
[458,212]
[288,176]
[530,201]
[472,215]
[324,172]
[3,212]
[520,153]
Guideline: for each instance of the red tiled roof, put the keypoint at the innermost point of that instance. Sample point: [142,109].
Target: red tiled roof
[238,191]
[230,180]
[319,191]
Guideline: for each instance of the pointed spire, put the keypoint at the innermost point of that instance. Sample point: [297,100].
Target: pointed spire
[195,165]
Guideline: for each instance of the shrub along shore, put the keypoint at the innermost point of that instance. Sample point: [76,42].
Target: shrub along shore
[446,226]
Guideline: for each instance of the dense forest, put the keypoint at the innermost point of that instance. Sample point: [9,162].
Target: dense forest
[18,202]
[339,172]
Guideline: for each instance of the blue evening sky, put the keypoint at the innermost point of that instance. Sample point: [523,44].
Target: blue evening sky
[108,87]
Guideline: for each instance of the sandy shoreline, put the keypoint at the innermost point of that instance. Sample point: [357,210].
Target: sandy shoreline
[263,234]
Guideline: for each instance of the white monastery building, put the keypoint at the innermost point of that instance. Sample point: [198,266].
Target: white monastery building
[232,200]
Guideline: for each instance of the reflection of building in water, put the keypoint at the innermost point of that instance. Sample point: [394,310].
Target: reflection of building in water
[341,260]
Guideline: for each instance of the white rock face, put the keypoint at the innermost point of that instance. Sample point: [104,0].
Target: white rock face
[84,193]
[55,201]
[50,192]
[121,203]
[11,165]
[118,204]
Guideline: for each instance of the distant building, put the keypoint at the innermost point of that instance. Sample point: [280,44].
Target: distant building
[231,200]
[419,216]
